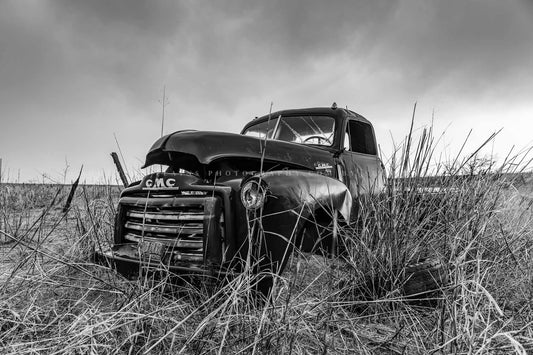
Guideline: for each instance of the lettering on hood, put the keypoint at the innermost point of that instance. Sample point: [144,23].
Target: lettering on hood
[324,168]
[160,183]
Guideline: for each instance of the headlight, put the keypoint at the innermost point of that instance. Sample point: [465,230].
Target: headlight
[253,195]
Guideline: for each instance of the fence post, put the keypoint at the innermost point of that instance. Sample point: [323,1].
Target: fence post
[72,192]
[119,168]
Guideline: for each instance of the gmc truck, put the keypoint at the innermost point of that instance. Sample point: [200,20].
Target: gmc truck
[225,200]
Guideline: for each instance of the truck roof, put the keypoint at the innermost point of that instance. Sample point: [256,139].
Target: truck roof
[337,113]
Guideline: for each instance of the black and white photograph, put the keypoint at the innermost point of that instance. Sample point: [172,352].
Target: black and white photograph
[266,177]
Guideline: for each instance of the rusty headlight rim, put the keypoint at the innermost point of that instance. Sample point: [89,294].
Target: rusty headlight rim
[253,194]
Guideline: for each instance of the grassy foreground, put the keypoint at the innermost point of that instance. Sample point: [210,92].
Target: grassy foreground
[479,226]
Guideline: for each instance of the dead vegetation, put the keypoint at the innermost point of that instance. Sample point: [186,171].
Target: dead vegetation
[54,300]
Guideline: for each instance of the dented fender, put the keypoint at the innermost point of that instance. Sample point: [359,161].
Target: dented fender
[292,199]
[293,189]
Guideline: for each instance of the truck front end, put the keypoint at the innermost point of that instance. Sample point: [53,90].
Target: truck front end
[173,222]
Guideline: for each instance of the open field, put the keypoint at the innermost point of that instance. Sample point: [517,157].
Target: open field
[54,300]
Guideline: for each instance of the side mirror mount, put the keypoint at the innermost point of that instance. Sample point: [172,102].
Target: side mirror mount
[339,152]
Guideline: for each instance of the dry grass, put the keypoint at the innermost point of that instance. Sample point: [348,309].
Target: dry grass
[53,300]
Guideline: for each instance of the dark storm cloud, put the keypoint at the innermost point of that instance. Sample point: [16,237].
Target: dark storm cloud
[220,49]
[123,44]
[152,19]
[78,53]
[216,50]
[476,44]
[99,66]
[299,31]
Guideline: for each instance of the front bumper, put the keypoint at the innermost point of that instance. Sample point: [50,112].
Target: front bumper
[126,260]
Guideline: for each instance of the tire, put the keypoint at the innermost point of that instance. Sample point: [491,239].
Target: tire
[425,277]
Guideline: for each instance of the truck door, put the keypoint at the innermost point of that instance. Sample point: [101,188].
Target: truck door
[363,170]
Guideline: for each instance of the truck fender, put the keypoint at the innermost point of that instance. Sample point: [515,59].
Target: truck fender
[292,198]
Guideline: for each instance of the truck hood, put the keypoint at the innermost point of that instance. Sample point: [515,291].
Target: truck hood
[208,147]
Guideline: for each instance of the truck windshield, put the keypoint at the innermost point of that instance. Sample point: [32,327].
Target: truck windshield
[317,130]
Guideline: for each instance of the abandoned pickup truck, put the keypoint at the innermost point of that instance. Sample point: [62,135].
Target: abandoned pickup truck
[223,197]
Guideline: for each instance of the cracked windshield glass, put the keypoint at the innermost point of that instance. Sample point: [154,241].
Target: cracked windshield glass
[317,130]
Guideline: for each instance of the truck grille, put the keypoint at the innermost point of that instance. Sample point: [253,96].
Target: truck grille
[174,229]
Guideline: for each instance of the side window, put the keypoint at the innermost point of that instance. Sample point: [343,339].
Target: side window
[361,138]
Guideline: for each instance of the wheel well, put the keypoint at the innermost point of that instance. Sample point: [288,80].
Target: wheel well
[317,233]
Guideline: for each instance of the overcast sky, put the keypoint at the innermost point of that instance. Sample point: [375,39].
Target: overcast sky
[74,73]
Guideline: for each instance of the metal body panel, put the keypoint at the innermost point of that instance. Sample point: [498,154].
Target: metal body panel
[363,173]
[292,201]
[196,150]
